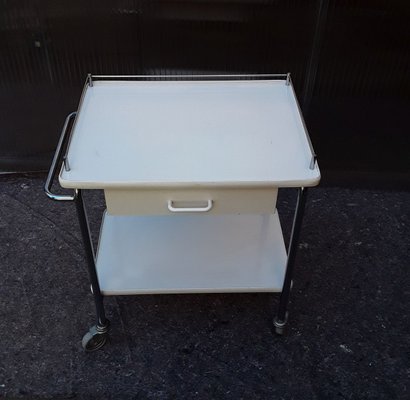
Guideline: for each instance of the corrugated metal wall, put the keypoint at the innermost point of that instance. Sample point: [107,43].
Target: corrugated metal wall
[349,60]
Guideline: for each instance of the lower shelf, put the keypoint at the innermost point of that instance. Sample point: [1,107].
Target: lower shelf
[190,254]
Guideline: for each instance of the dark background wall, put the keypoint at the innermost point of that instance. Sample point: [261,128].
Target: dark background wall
[350,63]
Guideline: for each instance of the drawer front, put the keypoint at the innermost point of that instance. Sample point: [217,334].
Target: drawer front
[180,201]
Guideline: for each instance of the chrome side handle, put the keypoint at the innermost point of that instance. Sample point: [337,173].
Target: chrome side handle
[56,161]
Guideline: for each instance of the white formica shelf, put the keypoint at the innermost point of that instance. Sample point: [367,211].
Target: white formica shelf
[238,133]
[190,254]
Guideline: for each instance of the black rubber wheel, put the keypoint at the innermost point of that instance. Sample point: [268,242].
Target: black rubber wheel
[93,340]
[280,326]
[279,330]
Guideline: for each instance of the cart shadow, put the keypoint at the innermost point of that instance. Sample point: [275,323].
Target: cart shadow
[187,320]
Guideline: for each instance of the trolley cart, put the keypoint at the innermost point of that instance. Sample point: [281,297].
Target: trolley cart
[190,167]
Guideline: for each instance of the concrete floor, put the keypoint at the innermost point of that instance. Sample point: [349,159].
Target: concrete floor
[349,328]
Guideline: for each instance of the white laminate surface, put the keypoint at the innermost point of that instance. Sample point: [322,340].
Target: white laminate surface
[134,134]
[191,254]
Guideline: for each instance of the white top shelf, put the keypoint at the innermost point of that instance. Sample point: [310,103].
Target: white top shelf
[133,134]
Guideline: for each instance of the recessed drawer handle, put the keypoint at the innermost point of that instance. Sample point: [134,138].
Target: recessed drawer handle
[189,209]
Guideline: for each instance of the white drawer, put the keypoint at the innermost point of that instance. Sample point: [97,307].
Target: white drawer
[179,201]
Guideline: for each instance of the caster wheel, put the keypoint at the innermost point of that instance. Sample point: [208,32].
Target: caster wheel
[94,340]
[279,330]
[280,326]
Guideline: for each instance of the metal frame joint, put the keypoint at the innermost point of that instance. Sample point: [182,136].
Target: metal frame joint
[66,163]
[313,161]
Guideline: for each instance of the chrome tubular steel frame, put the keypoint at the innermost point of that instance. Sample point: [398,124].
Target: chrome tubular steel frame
[280,320]
[102,321]
[100,330]
[56,161]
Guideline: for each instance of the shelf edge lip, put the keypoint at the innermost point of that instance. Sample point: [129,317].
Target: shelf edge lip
[131,292]
[68,184]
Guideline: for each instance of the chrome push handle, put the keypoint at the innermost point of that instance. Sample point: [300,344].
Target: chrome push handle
[56,162]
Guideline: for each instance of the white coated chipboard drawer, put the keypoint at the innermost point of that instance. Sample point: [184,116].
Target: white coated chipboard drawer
[188,201]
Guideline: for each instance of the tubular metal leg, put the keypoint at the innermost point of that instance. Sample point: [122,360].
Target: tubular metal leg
[97,335]
[281,317]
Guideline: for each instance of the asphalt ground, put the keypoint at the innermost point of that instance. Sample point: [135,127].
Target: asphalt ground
[348,335]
